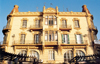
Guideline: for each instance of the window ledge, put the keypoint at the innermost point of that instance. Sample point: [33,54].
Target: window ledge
[23,28]
[77,28]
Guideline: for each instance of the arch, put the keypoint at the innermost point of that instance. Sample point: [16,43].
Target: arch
[34,54]
[68,55]
[23,52]
[80,53]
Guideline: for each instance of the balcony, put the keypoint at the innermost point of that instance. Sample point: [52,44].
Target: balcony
[27,43]
[36,27]
[65,27]
[94,28]
[51,43]
[6,28]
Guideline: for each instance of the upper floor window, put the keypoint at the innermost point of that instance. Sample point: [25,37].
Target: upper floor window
[36,38]
[37,25]
[51,55]
[64,23]
[79,39]
[65,38]
[51,36]
[50,20]
[22,41]
[24,24]
[46,36]
[77,24]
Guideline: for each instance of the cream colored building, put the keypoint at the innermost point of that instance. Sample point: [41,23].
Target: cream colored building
[51,36]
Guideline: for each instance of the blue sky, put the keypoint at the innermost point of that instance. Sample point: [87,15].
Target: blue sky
[30,5]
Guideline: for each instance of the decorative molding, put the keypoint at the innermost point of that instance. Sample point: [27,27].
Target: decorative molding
[78,32]
[76,19]
[24,19]
[63,19]
[37,19]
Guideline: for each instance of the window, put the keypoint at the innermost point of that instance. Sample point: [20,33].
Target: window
[79,39]
[24,24]
[34,54]
[22,41]
[5,38]
[51,35]
[37,25]
[64,24]
[56,36]
[46,20]
[51,55]
[36,38]
[68,55]
[65,38]
[55,20]
[46,36]
[23,53]
[77,24]
[79,53]
[50,20]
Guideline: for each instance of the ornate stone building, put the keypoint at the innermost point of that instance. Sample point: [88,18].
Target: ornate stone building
[51,36]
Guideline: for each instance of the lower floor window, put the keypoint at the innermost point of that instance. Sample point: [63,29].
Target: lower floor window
[80,53]
[34,54]
[51,55]
[68,55]
[23,53]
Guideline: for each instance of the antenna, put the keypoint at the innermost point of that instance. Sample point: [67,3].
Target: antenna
[63,8]
[51,4]
[67,10]
[44,3]
[37,9]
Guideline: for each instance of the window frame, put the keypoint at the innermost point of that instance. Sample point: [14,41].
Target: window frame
[24,25]
[51,55]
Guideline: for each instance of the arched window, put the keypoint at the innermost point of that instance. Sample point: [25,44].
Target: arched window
[34,54]
[80,53]
[68,55]
[23,52]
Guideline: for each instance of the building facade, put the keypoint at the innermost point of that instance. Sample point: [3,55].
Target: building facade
[51,36]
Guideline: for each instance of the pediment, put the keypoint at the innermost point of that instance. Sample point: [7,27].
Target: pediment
[50,10]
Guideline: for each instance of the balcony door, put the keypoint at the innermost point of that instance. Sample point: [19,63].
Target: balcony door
[37,25]
[36,38]
[79,39]
[65,38]
[22,41]
[64,24]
